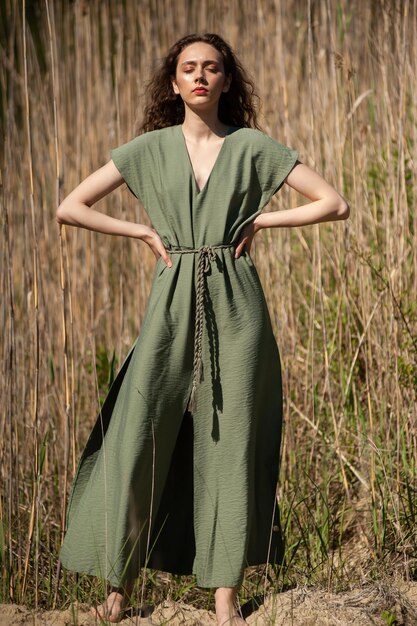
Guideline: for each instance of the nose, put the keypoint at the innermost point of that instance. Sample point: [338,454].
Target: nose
[200,76]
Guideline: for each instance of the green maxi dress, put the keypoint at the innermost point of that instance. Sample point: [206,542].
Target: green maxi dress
[158,484]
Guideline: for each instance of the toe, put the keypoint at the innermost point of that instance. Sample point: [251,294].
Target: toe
[99,611]
[112,610]
[116,616]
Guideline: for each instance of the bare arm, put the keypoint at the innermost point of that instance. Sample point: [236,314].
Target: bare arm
[75,210]
[326,205]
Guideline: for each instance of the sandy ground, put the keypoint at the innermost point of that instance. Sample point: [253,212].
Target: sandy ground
[299,607]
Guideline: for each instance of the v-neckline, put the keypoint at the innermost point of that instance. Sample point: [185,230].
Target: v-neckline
[197,190]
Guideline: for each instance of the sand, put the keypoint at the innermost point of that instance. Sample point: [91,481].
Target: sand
[388,603]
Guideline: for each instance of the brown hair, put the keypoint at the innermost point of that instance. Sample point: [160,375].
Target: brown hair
[165,108]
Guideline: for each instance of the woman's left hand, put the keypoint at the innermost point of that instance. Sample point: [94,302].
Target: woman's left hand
[246,238]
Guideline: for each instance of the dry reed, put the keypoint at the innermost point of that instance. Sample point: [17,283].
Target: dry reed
[338,82]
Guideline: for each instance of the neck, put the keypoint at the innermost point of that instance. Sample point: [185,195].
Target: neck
[202,126]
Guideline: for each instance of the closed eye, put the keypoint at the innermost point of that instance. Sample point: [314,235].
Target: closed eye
[211,69]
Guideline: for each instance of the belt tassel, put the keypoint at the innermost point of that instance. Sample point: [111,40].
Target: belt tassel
[206,254]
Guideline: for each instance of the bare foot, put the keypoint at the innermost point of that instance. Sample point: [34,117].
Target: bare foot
[113,608]
[233,620]
[227,613]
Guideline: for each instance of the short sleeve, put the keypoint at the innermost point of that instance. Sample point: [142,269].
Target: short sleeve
[130,159]
[274,161]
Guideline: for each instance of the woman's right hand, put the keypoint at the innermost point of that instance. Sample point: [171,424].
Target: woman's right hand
[151,237]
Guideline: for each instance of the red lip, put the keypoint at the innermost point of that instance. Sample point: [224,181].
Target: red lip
[200,89]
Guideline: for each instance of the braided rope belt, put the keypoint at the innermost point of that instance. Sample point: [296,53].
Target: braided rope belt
[206,255]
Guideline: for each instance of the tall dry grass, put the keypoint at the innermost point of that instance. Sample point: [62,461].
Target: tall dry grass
[338,82]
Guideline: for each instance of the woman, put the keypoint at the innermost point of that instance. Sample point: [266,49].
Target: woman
[185,478]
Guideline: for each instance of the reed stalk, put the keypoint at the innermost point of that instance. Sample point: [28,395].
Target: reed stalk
[337,81]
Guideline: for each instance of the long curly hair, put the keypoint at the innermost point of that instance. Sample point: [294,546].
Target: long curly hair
[165,108]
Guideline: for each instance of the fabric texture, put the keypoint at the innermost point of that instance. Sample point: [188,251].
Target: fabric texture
[156,485]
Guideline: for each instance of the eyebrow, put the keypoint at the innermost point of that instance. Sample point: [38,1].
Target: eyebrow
[192,62]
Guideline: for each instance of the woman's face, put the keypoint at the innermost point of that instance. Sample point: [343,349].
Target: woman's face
[200,65]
